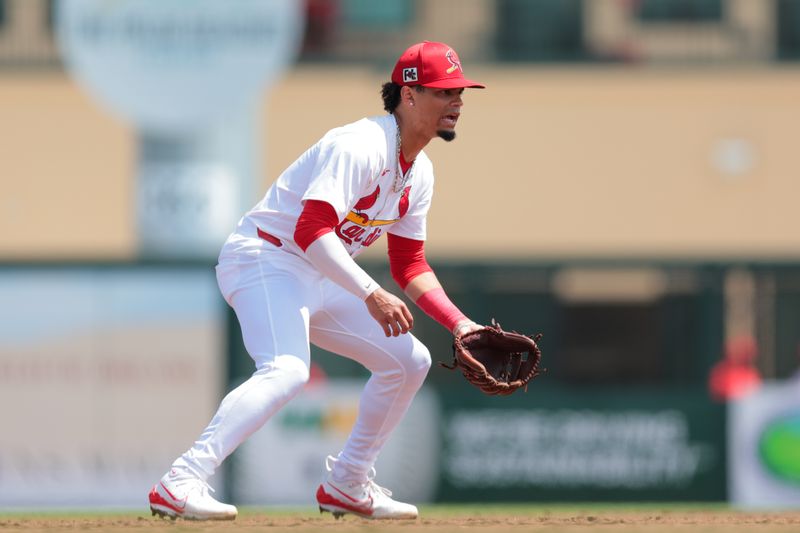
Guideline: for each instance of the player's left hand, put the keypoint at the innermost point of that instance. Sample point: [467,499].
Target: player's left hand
[390,312]
[496,361]
[464,327]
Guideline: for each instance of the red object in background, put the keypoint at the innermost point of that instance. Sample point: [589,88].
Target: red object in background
[735,375]
[317,376]
[322,18]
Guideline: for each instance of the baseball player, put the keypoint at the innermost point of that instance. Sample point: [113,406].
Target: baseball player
[288,272]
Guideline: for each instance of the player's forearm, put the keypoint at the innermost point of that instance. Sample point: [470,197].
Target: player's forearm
[329,256]
[426,291]
[421,284]
[412,272]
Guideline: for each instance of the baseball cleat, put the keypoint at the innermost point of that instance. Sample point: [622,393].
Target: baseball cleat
[180,494]
[367,500]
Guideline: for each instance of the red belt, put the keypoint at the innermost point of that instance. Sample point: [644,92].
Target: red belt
[272,239]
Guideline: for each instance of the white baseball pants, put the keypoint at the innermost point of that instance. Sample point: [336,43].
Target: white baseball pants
[282,304]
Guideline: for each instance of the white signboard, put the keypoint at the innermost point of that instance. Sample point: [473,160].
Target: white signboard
[189,76]
[764,444]
[106,376]
[178,66]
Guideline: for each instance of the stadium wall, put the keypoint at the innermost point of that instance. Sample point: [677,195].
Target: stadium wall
[550,163]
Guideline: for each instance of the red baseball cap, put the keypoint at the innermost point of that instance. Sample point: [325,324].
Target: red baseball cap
[431,64]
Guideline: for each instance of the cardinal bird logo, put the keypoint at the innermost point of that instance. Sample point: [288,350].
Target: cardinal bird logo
[403,207]
[455,64]
[362,221]
[368,201]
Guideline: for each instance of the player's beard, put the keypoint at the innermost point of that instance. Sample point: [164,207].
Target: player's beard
[447,135]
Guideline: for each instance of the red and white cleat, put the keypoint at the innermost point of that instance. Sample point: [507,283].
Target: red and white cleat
[367,500]
[180,494]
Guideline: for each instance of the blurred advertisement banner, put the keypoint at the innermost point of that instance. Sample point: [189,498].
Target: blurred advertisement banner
[764,440]
[603,444]
[106,375]
[574,448]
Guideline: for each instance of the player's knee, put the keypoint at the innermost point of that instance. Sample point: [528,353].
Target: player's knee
[419,363]
[297,374]
[425,360]
[294,372]
[408,368]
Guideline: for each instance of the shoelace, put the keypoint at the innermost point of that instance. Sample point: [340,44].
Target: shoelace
[371,485]
[377,488]
[193,481]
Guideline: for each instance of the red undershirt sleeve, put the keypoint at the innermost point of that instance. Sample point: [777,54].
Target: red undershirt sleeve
[407,261]
[317,219]
[314,234]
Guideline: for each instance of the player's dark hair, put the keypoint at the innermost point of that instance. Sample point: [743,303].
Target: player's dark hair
[390,92]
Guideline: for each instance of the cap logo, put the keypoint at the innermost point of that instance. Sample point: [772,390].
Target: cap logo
[453,59]
[409,74]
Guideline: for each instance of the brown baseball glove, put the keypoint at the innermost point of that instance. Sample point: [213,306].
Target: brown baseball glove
[497,361]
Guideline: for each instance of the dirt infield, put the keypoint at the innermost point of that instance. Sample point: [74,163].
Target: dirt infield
[435,519]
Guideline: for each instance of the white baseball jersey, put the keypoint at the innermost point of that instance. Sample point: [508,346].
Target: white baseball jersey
[355,169]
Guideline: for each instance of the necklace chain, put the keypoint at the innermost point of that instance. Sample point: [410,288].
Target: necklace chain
[400,177]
